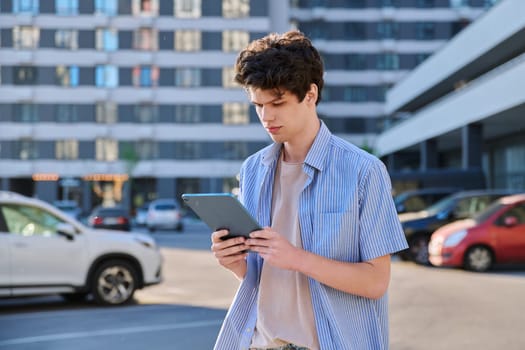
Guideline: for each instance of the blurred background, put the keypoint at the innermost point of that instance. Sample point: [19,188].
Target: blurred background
[111,109]
[122,102]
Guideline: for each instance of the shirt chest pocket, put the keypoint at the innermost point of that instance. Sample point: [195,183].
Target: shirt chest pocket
[335,236]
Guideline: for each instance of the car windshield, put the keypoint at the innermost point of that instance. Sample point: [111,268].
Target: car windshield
[488,212]
[112,212]
[165,206]
[441,205]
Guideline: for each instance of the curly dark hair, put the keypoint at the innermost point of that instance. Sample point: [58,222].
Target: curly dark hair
[280,62]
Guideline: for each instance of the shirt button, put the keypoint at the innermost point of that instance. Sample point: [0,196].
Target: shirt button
[248,330]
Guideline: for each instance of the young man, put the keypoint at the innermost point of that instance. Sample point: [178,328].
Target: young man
[317,274]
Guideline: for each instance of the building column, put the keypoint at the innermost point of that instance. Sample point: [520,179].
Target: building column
[87,197]
[166,187]
[4,184]
[428,154]
[46,190]
[392,162]
[471,146]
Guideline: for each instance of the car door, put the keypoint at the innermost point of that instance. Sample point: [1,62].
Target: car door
[511,239]
[5,260]
[40,255]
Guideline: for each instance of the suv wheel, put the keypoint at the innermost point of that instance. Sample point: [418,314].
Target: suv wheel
[114,283]
[478,259]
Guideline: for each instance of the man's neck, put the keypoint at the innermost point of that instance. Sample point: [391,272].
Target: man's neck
[295,151]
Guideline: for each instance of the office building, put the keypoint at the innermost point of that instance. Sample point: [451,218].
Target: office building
[464,107]
[128,100]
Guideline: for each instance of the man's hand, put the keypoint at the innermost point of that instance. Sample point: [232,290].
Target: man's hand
[231,253]
[274,248]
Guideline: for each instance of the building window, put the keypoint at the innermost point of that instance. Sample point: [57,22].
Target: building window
[146,113]
[145,39]
[106,7]
[187,150]
[187,8]
[145,76]
[187,113]
[228,75]
[420,57]
[26,113]
[355,62]
[235,8]
[387,61]
[355,94]
[234,40]
[66,39]
[66,113]
[106,39]
[425,31]
[425,3]
[187,77]
[25,6]
[188,40]
[387,30]
[106,112]
[66,149]
[235,150]
[235,114]
[145,7]
[27,149]
[106,149]
[355,30]
[66,7]
[106,76]
[24,75]
[146,149]
[25,37]
[67,76]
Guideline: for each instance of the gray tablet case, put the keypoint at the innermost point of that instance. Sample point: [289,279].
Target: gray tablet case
[222,211]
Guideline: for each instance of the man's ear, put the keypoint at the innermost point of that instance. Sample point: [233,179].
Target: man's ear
[311,95]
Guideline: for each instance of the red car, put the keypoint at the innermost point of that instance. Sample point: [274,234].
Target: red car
[497,235]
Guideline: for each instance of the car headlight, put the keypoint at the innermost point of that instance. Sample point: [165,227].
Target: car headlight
[455,238]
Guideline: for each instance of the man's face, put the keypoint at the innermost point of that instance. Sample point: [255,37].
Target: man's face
[282,115]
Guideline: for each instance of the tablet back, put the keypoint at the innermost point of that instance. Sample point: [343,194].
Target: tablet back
[222,211]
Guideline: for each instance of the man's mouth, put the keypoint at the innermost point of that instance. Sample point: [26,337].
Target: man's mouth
[273,129]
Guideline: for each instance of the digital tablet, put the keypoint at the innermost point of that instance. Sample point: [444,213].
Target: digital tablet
[222,211]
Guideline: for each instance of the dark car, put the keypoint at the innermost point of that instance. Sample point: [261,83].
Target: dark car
[416,200]
[418,227]
[113,218]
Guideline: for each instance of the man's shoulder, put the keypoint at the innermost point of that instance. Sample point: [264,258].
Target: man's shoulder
[345,151]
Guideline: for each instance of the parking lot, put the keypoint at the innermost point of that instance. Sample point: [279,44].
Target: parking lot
[430,308]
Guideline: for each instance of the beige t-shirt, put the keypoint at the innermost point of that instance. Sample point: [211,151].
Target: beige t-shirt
[284,307]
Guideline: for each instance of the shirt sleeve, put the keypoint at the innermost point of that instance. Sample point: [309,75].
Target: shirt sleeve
[379,226]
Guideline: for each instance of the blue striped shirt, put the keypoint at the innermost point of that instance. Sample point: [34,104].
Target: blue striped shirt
[346,213]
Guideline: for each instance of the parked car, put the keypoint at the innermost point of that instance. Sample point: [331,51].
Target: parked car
[418,227]
[45,251]
[69,207]
[164,214]
[496,235]
[112,218]
[141,215]
[416,200]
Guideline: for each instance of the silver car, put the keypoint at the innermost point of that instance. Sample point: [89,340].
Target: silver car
[164,214]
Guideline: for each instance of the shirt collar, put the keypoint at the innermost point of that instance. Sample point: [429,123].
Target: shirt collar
[316,156]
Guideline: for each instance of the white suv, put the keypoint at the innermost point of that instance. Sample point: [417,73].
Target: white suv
[45,251]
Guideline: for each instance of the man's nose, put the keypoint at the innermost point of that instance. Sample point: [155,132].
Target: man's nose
[266,113]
